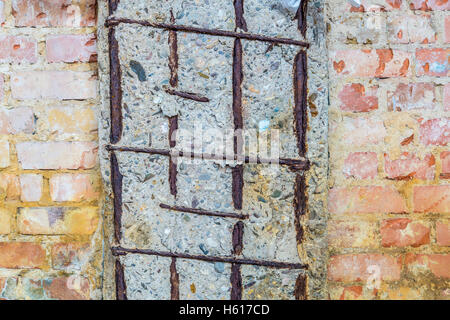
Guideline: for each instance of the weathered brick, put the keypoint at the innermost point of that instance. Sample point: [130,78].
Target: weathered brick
[360,131]
[359,267]
[351,293]
[404,28]
[67,288]
[435,131]
[58,220]
[361,165]
[428,5]
[434,199]
[62,85]
[371,63]
[400,293]
[9,186]
[404,232]
[355,99]
[445,162]
[66,121]
[70,256]
[17,49]
[382,5]
[17,120]
[352,234]
[366,200]
[443,233]
[71,48]
[447,97]
[432,62]
[5,221]
[411,96]
[4,153]
[73,187]
[21,255]
[447,29]
[57,155]
[409,166]
[31,187]
[64,13]
[434,263]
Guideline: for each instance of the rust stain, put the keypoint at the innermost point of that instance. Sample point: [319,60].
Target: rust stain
[174,281]
[300,290]
[121,287]
[115,88]
[116,180]
[300,96]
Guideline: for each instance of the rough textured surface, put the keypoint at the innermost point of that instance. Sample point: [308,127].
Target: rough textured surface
[205,68]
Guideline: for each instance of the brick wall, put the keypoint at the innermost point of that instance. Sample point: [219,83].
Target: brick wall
[389,198]
[49,180]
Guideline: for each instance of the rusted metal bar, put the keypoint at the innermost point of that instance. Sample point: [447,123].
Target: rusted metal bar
[300,97]
[187,95]
[236,282]
[300,200]
[174,281]
[173,126]
[296,164]
[173,56]
[119,251]
[112,5]
[121,286]
[239,12]
[238,238]
[237,186]
[204,212]
[110,22]
[116,181]
[300,291]
[115,87]
[301,16]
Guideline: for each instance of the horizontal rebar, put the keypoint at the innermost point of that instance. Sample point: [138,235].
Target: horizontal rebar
[110,22]
[204,212]
[119,251]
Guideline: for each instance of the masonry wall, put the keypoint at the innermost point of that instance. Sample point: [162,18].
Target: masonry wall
[49,181]
[389,196]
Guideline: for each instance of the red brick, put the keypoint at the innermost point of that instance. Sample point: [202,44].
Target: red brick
[404,232]
[366,200]
[381,5]
[352,234]
[351,293]
[443,233]
[360,131]
[447,97]
[17,120]
[354,98]
[438,264]
[70,256]
[445,161]
[61,85]
[432,62]
[371,63]
[447,29]
[360,267]
[410,166]
[9,186]
[428,5]
[404,28]
[67,288]
[361,165]
[72,187]
[435,132]
[5,222]
[31,187]
[434,199]
[57,155]
[62,13]
[17,49]
[71,48]
[21,255]
[412,96]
